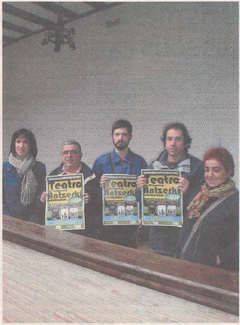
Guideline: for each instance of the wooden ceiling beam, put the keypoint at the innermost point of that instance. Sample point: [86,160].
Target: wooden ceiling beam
[8,39]
[27,16]
[47,24]
[56,8]
[95,10]
[96,5]
[16,28]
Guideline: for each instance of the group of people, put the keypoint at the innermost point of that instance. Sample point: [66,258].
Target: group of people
[209,234]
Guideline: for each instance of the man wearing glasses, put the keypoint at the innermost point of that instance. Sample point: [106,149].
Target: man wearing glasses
[71,164]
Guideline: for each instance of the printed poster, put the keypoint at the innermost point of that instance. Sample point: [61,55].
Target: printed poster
[65,202]
[120,206]
[161,199]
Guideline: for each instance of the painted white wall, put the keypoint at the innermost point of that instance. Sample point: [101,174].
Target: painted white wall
[164,62]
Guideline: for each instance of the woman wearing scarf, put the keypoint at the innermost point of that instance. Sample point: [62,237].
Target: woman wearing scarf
[23,179]
[210,232]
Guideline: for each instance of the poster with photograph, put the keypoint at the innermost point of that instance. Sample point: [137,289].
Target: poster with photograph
[161,199]
[120,206]
[65,202]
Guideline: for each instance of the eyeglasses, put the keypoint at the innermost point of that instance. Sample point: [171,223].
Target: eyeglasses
[72,152]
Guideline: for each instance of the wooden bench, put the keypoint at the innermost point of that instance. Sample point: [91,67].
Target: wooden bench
[212,287]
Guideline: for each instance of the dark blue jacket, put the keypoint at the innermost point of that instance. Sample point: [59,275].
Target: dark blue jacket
[12,205]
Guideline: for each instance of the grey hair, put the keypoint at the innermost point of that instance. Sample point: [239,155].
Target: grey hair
[69,142]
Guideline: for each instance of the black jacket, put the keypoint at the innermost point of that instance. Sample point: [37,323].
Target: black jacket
[93,208]
[217,235]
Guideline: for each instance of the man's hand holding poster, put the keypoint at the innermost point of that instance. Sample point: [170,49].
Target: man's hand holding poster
[65,202]
[120,206]
[161,198]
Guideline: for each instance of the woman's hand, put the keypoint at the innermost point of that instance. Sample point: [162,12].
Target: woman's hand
[43,197]
[141,181]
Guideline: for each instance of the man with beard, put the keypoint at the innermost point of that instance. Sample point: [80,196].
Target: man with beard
[176,140]
[120,161]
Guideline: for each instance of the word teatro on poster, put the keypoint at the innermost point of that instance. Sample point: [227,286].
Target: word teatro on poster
[161,198]
[65,203]
[120,206]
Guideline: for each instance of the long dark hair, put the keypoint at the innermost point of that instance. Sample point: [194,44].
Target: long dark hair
[29,136]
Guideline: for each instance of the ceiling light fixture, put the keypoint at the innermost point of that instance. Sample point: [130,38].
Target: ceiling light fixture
[60,35]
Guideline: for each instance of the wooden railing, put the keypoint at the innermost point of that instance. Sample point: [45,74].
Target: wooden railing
[213,287]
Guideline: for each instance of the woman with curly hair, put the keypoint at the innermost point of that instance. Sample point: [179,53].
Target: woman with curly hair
[210,232]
